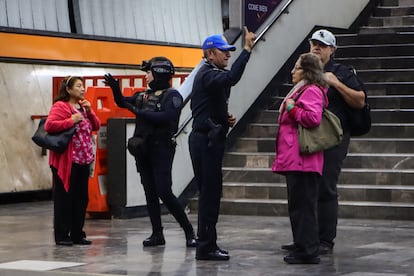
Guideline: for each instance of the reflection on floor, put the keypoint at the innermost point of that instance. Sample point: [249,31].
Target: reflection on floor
[363,247]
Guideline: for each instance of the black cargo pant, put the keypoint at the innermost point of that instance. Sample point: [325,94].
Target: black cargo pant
[207,165]
[154,163]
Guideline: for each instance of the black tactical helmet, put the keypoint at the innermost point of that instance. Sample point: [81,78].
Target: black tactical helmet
[159,66]
[162,70]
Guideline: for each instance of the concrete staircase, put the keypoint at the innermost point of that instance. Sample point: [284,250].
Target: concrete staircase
[377,180]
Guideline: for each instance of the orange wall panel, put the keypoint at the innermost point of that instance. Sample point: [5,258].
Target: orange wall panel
[38,47]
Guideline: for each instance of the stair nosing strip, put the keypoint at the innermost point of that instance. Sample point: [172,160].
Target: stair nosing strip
[365,170]
[343,186]
[341,203]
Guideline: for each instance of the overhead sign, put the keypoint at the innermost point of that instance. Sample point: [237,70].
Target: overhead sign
[257,11]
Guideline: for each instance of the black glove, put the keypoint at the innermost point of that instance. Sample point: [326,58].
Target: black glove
[116,91]
[214,133]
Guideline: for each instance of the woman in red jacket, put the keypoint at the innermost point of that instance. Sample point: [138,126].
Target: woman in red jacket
[302,105]
[70,169]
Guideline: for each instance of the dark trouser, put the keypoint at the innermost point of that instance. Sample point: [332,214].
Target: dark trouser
[207,166]
[328,194]
[70,207]
[302,204]
[154,166]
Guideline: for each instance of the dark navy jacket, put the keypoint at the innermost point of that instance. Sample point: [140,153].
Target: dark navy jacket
[211,91]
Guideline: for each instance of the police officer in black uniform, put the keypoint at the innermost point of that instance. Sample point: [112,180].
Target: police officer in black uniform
[346,92]
[157,113]
[211,90]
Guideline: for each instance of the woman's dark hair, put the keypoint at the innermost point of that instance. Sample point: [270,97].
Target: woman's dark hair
[67,82]
[312,69]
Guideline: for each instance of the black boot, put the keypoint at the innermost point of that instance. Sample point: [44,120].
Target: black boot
[156,238]
[190,238]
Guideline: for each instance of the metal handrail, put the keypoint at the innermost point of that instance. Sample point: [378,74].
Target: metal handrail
[258,37]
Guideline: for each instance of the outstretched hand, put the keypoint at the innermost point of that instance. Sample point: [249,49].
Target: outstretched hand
[249,38]
[116,91]
[111,81]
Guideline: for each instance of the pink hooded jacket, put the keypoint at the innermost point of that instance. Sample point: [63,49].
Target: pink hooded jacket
[308,113]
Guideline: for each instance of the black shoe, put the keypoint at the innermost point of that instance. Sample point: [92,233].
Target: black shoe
[65,242]
[222,250]
[157,238]
[191,242]
[301,259]
[325,248]
[215,255]
[83,241]
[289,246]
[190,239]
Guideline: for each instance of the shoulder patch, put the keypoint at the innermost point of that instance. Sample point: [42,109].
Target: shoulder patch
[177,102]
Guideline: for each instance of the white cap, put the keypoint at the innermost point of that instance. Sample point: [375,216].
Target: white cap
[324,36]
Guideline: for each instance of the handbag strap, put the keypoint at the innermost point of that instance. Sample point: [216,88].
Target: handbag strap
[303,88]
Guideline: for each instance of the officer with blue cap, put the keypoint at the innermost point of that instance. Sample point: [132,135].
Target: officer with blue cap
[211,122]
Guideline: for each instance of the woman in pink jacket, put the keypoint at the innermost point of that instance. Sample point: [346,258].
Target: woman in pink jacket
[70,169]
[302,105]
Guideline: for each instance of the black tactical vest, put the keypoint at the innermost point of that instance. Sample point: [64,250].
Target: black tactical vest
[153,102]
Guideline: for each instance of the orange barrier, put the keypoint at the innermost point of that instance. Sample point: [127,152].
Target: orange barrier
[103,104]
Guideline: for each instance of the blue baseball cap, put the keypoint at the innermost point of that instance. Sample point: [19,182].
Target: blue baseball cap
[219,42]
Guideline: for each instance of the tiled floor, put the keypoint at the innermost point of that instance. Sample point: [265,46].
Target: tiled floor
[364,247]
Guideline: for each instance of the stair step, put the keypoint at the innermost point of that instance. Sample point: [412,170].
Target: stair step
[381,145]
[347,209]
[375,39]
[389,88]
[379,161]
[388,75]
[384,63]
[391,21]
[383,30]
[357,145]
[378,130]
[398,3]
[391,101]
[392,115]
[348,175]
[353,160]
[378,116]
[382,50]
[376,101]
[347,192]
[394,11]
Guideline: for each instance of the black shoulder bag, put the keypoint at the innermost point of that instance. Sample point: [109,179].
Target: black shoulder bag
[53,141]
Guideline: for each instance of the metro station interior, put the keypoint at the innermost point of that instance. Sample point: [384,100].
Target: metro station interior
[44,41]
